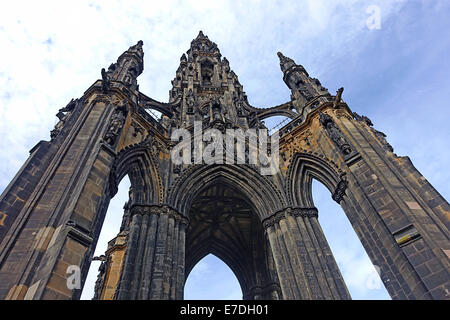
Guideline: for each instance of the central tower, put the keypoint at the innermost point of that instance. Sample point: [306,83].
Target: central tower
[206,89]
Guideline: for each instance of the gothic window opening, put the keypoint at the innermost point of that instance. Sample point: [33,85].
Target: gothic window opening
[299,83]
[112,225]
[207,69]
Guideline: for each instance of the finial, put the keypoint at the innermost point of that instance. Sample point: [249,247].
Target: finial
[338,97]
[285,62]
[282,56]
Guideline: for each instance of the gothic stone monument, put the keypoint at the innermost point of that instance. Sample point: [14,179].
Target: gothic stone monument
[264,227]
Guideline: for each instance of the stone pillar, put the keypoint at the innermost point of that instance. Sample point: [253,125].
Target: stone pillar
[400,218]
[58,226]
[268,292]
[304,263]
[154,260]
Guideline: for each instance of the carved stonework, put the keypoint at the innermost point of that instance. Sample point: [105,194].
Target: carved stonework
[306,138]
[337,99]
[63,115]
[157,146]
[339,192]
[116,123]
[304,89]
[319,85]
[99,283]
[382,138]
[378,134]
[305,212]
[335,134]
[145,209]
[190,101]
[265,227]
[274,219]
[342,113]
[105,81]
[127,68]
[203,45]
[363,119]
[177,169]
[137,129]
[295,212]
[238,104]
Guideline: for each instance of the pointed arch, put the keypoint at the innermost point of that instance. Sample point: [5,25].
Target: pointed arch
[224,222]
[223,252]
[302,169]
[138,162]
[208,279]
[261,192]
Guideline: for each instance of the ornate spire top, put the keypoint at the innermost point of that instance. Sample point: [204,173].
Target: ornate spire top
[203,44]
[136,52]
[136,49]
[183,60]
[285,62]
[128,67]
[201,35]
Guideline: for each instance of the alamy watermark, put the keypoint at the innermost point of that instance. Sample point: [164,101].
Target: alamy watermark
[373,22]
[235,146]
[373,281]
[73,277]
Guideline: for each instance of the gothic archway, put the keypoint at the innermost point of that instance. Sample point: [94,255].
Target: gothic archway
[138,162]
[212,279]
[224,222]
[260,191]
[369,226]
[302,169]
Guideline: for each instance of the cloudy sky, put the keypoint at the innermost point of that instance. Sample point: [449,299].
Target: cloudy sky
[397,75]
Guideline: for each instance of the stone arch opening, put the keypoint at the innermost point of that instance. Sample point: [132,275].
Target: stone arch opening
[302,170]
[306,168]
[134,179]
[261,192]
[207,72]
[225,222]
[137,162]
[212,278]
[108,239]
[357,270]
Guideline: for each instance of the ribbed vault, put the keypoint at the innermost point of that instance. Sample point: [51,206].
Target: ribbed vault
[259,190]
[223,222]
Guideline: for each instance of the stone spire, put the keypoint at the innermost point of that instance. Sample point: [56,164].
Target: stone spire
[206,89]
[303,87]
[128,67]
[285,62]
[202,44]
